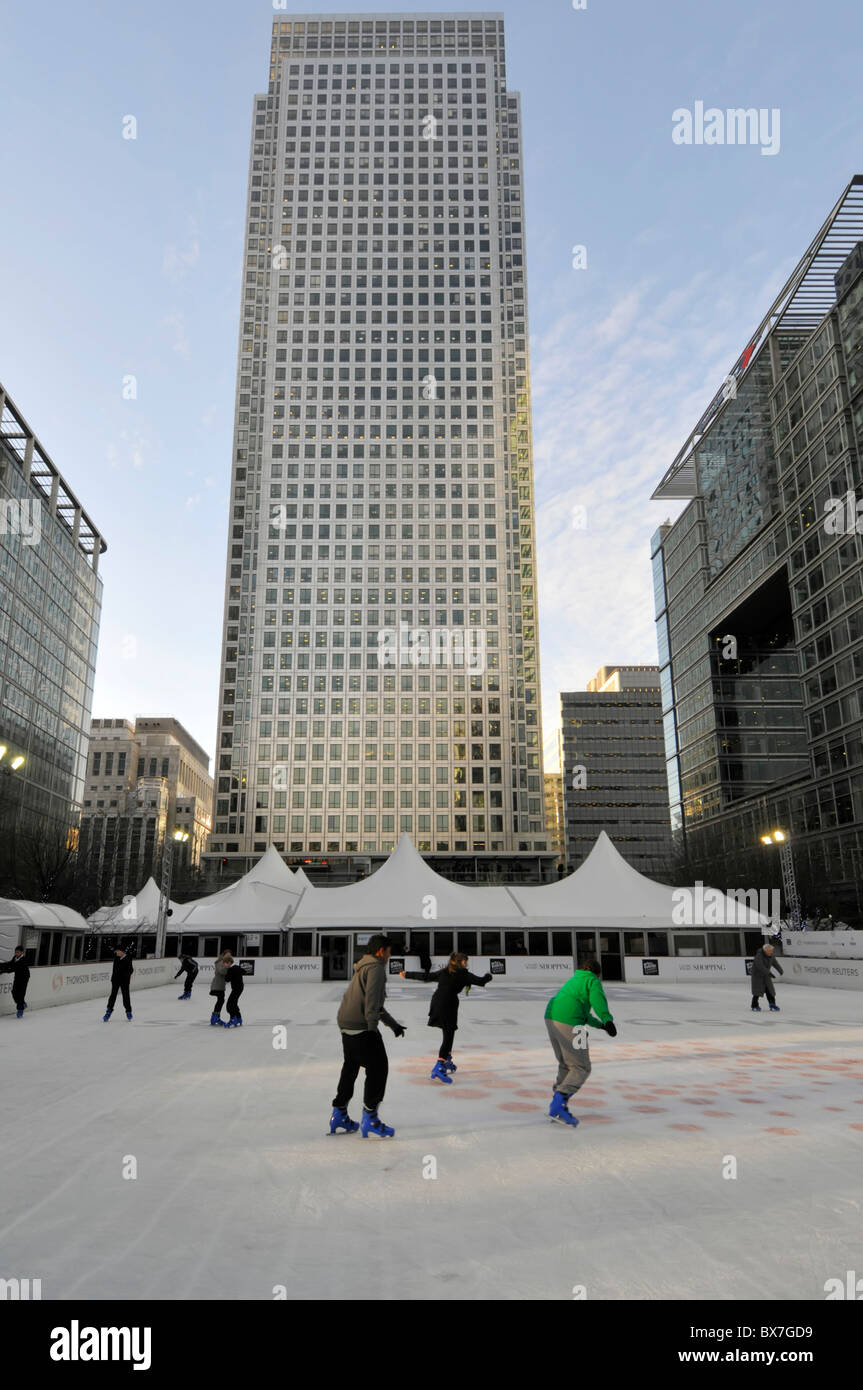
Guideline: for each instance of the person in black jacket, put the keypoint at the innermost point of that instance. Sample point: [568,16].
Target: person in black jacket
[189,968]
[761,980]
[234,977]
[443,1009]
[18,967]
[120,977]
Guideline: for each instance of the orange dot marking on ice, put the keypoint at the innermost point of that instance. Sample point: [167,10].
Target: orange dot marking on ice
[519,1105]
[774,1130]
[685,1126]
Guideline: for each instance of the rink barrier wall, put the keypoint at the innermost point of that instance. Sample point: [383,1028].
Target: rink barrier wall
[835,945]
[68,984]
[833,975]
[517,969]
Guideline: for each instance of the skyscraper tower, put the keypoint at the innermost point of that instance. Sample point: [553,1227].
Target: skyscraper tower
[380,657]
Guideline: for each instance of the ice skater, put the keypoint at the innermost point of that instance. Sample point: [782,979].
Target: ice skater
[189,968]
[360,1012]
[18,967]
[121,974]
[762,982]
[217,988]
[578,1005]
[236,979]
[443,1008]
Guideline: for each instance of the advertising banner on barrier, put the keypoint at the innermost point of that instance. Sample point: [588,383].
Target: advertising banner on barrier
[835,945]
[684,968]
[517,969]
[833,974]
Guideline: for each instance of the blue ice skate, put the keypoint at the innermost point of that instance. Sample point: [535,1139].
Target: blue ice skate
[129,1015]
[558,1112]
[20,1013]
[215,1021]
[340,1119]
[450,1064]
[234,1022]
[373,1124]
[438,1073]
[775,1009]
[187,995]
[756,1008]
[107,1016]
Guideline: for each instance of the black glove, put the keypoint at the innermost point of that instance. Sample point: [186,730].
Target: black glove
[611,1030]
[486,978]
[399,1030]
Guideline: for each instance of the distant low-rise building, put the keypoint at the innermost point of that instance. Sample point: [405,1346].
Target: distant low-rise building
[613,767]
[144,780]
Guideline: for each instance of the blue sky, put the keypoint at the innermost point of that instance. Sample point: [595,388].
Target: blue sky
[124,257]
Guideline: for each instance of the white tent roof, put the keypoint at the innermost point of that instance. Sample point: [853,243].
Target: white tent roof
[264,897]
[607,891]
[15,911]
[406,892]
[140,911]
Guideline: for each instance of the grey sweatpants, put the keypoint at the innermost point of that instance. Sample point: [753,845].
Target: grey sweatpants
[573,1062]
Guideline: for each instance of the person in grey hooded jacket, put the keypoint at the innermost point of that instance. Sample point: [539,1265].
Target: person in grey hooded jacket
[360,1012]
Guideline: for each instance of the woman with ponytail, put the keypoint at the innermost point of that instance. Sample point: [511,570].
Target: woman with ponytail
[443,1009]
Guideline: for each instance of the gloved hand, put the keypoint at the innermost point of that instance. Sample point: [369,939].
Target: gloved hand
[611,1030]
[488,977]
[399,1030]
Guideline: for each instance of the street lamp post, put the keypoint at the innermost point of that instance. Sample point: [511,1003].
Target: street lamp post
[789,881]
[178,837]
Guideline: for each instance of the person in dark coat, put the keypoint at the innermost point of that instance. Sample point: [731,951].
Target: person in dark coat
[217,988]
[120,976]
[443,1009]
[18,967]
[762,982]
[189,968]
[235,978]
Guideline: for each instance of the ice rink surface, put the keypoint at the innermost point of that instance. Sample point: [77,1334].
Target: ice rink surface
[240,1189]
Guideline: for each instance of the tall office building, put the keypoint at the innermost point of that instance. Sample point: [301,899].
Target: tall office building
[613,764]
[380,658]
[50,605]
[759,586]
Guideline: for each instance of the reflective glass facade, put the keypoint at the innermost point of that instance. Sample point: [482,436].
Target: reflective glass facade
[761,630]
[50,603]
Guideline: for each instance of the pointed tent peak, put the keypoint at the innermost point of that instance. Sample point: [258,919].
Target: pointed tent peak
[301,878]
[272,869]
[605,857]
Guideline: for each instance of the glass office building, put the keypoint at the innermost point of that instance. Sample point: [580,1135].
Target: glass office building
[50,603]
[380,664]
[759,585]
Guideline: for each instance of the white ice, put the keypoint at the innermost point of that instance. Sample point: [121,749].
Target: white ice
[239,1189]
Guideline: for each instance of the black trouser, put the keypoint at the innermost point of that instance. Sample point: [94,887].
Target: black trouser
[769,991]
[18,993]
[122,985]
[191,976]
[234,1003]
[363,1050]
[218,998]
[446,1042]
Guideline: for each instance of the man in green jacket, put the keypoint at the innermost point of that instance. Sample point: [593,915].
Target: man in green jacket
[578,1005]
